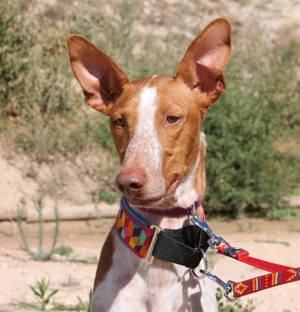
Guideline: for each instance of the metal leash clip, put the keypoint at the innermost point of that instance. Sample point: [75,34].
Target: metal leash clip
[226,286]
[214,240]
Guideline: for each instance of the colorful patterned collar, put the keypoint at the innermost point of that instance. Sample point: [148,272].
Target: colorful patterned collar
[139,236]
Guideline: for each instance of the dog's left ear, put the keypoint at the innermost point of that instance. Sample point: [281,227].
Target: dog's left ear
[202,67]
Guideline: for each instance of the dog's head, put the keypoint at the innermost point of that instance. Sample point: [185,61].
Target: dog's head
[156,121]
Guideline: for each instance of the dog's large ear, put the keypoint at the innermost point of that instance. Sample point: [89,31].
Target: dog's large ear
[100,77]
[202,67]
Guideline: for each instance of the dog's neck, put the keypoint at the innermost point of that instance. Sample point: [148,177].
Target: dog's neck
[173,218]
[174,212]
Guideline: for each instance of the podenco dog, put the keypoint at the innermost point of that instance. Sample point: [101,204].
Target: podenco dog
[156,126]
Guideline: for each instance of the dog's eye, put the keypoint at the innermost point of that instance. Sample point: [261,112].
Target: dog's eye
[172,119]
[119,122]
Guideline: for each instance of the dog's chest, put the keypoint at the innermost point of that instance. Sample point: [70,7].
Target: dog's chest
[131,285]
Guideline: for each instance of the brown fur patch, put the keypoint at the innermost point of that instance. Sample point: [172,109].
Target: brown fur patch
[105,261]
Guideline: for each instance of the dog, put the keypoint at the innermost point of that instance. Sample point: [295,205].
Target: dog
[156,125]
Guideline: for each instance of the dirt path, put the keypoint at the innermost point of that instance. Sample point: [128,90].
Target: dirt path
[273,241]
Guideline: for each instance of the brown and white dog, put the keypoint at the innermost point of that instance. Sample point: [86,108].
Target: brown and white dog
[156,126]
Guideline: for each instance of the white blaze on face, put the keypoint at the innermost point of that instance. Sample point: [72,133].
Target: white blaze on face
[145,146]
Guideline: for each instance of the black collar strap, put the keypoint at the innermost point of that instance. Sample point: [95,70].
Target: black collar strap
[182,246]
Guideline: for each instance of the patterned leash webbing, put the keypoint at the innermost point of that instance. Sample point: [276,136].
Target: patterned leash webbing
[279,275]
[266,281]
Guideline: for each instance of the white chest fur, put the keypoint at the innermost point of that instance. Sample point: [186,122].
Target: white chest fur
[134,286]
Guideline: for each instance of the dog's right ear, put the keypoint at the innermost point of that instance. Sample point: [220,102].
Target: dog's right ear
[100,77]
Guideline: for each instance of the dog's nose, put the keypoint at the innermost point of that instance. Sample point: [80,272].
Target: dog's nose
[130,182]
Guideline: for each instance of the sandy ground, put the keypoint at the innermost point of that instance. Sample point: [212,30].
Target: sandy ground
[273,241]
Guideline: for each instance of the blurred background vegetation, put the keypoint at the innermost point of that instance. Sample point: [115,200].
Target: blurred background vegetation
[252,131]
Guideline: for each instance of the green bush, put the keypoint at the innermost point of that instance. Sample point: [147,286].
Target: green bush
[14,61]
[244,170]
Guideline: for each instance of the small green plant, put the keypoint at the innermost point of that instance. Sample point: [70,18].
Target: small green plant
[41,292]
[232,307]
[40,254]
[85,305]
[88,260]
[63,250]
[295,230]
[109,197]
[279,213]
[244,226]
[287,244]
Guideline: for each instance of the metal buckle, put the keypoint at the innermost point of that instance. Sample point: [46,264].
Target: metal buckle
[232,251]
[149,258]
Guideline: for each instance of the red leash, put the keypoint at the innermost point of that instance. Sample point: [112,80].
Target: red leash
[280,274]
